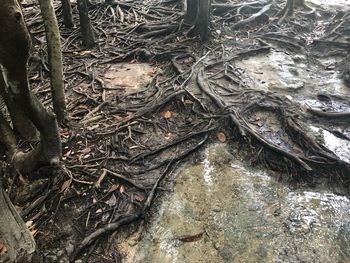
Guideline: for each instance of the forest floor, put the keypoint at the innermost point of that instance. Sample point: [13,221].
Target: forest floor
[148,96]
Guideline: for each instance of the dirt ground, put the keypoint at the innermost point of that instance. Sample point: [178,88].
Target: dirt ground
[147,97]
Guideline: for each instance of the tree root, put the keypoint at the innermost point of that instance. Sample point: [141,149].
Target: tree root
[330,115]
[252,18]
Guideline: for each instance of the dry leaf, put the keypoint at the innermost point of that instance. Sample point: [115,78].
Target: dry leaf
[86,150]
[189,102]
[139,198]
[85,52]
[113,188]
[133,147]
[3,249]
[168,136]
[222,137]
[111,201]
[152,73]
[122,189]
[167,114]
[87,156]
[303,108]
[188,60]
[29,223]
[191,238]
[34,232]
[65,185]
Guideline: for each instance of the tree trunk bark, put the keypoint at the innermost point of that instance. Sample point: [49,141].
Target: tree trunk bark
[55,58]
[203,18]
[49,149]
[198,15]
[7,137]
[21,124]
[14,234]
[67,13]
[14,53]
[87,32]
[191,11]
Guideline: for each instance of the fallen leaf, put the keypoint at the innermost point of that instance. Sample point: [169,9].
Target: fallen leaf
[86,156]
[3,249]
[168,136]
[122,189]
[152,73]
[111,201]
[188,60]
[133,147]
[303,108]
[34,232]
[85,52]
[29,223]
[86,150]
[222,137]
[167,114]
[191,238]
[113,188]
[65,185]
[139,197]
[189,102]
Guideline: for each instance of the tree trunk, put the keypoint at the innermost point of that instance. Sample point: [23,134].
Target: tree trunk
[55,58]
[21,124]
[192,8]
[198,15]
[14,53]
[202,23]
[7,137]
[87,32]
[14,233]
[67,13]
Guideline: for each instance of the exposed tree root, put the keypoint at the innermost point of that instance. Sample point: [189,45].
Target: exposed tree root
[127,143]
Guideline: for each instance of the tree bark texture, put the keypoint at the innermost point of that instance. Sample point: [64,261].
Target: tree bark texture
[191,11]
[203,18]
[67,13]
[87,31]
[14,53]
[14,233]
[21,124]
[55,58]
[198,15]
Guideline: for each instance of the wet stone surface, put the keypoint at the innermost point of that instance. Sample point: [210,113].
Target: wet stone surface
[245,216]
[291,74]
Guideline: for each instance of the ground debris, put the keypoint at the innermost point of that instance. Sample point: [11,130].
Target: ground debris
[124,140]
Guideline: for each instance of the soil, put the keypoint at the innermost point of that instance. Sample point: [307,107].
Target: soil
[147,97]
